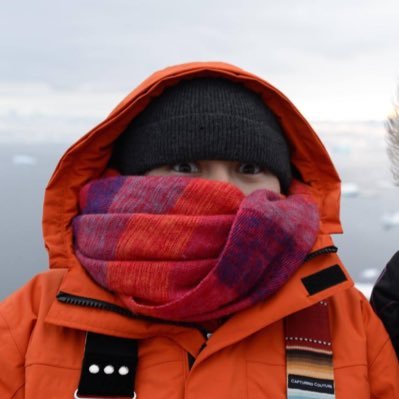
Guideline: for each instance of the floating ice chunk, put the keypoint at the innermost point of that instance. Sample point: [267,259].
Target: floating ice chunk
[370,274]
[386,184]
[342,148]
[390,220]
[369,193]
[22,159]
[365,289]
[350,190]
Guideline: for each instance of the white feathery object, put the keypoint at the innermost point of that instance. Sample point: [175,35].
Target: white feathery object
[392,127]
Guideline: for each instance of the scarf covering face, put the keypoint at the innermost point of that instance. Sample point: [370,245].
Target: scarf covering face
[190,249]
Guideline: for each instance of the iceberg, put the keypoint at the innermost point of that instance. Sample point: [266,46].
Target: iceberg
[390,220]
[23,159]
[350,190]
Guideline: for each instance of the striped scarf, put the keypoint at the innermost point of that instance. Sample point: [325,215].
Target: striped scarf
[188,249]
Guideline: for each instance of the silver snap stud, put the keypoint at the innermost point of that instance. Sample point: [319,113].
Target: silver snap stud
[123,370]
[94,369]
[109,369]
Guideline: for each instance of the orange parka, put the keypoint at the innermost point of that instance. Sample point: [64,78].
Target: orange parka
[42,337]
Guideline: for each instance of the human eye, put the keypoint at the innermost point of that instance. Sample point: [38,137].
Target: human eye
[250,168]
[185,167]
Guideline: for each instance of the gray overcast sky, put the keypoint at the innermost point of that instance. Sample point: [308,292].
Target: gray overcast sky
[337,60]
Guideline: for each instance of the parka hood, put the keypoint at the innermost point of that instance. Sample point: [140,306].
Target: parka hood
[88,158]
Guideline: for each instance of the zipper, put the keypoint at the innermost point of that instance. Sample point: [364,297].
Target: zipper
[92,303]
[76,300]
[332,249]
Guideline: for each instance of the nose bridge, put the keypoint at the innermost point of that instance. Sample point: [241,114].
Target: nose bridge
[219,171]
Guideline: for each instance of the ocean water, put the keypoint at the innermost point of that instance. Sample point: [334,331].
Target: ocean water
[24,173]
[369,211]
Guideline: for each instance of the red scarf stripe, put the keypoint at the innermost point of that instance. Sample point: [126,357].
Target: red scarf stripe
[199,198]
[173,237]
[121,279]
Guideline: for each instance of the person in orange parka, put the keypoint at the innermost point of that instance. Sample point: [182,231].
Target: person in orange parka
[190,257]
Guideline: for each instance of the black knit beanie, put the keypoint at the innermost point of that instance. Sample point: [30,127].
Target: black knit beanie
[204,119]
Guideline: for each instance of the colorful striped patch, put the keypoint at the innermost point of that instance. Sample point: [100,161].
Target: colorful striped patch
[310,372]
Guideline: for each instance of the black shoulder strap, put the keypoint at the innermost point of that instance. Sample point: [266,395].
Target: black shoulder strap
[109,367]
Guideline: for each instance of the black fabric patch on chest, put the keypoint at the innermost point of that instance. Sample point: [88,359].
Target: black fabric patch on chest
[324,279]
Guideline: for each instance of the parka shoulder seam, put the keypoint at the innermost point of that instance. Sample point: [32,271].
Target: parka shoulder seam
[387,341]
[265,362]
[18,389]
[12,336]
[351,365]
[51,365]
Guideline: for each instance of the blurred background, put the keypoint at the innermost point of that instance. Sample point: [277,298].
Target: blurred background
[64,65]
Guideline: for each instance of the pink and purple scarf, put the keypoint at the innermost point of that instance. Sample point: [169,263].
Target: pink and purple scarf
[189,249]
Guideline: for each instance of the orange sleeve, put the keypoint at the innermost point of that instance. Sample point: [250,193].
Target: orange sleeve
[18,316]
[12,357]
[382,361]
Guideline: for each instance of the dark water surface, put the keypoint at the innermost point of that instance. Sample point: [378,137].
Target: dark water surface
[24,173]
